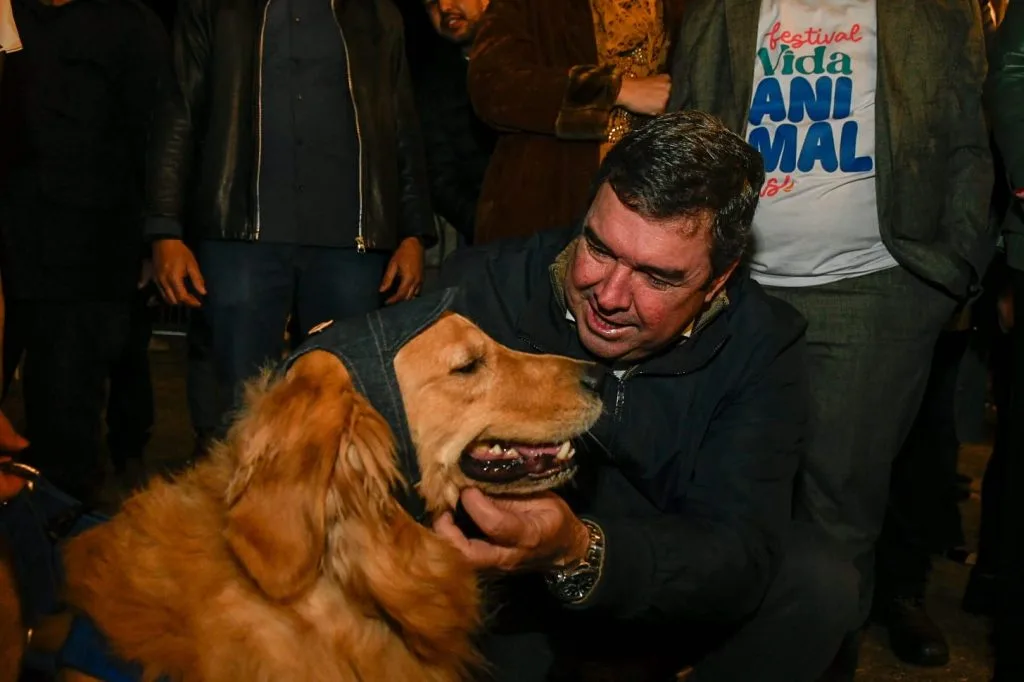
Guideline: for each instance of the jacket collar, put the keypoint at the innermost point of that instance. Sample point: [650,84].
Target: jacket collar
[544,325]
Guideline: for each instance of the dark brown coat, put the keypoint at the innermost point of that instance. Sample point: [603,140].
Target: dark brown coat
[534,76]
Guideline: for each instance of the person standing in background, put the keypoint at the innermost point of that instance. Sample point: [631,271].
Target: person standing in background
[562,81]
[458,143]
[75,112]
[873,220]
[295,168]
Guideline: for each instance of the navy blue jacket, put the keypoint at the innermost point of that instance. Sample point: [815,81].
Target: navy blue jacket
[691,470]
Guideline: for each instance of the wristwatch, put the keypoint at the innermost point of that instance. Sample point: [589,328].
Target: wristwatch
[573,584]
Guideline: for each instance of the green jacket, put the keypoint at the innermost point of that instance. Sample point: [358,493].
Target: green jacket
[1005,95]
[934,167]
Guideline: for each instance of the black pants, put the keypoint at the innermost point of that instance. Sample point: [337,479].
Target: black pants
[809,607]
[922,517]
[130,409]
[1009,621]
[70,350]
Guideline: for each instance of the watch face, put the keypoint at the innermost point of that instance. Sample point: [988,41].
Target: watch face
[576,587]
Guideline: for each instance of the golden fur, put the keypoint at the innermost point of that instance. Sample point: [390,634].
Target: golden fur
[284,555]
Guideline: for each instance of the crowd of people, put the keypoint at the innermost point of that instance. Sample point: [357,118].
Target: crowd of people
[785,227]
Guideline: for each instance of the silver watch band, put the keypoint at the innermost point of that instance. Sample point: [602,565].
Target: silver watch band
[574,584]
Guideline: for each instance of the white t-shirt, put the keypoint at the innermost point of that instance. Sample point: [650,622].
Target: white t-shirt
[812,117]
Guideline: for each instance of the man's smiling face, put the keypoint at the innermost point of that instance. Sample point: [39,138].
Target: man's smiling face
[634,285]
[455,20]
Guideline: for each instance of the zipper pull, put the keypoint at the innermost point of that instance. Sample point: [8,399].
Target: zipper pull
[360,244]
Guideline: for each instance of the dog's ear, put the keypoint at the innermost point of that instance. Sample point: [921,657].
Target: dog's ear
[286,446]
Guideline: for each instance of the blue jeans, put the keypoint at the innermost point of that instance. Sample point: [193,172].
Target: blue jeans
[252,287]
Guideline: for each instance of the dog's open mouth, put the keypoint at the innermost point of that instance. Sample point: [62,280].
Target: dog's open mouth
[505,462]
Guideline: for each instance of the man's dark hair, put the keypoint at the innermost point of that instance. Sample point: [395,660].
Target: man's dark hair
[684,164]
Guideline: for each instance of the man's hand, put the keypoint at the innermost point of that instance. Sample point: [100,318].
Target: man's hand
[406,265]
[10,485]
[174,263]
[647,96]
[533,533]
[10,440]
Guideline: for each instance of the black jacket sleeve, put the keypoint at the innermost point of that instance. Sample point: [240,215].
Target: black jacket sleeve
[173,135]
[416,218]
[147,71]
[714,559]
[454,196]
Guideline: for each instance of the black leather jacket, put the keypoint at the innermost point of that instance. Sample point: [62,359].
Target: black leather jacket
[205,152]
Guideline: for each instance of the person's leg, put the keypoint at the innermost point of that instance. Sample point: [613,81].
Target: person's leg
[870,342]
[923,517]
[337,283]
[519,657]
[1009,620]
[250,292]
[208,400]
[130,409]
[809,607]
[70,348]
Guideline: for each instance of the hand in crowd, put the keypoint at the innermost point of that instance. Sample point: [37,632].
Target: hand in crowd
[175,266]
[10,440]
[647,96]
[531,533]
[10,485]
[405,268]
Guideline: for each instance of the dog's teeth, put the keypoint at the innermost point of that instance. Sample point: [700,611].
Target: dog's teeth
[564,452]
[511,452]
[496,449]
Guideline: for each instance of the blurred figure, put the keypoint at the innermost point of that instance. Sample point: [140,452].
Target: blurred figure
[75,110]
[458,143]
[562,81]
[1006,109]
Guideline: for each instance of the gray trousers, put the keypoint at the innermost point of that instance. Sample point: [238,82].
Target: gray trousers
[870,341]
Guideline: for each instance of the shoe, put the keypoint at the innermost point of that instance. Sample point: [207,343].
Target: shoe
[980,594]
[913,635]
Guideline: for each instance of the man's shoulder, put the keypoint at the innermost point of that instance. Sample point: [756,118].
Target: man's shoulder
[766,324]
[506,273]
[519,259]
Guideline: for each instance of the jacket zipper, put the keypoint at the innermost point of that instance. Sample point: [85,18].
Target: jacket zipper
[620,393]
[360,239]
[259,115]
[620,390]
[634,370]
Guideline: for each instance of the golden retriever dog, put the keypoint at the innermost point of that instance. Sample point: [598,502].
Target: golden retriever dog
[286,555]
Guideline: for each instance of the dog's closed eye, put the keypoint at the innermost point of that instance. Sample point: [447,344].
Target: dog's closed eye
[469,366]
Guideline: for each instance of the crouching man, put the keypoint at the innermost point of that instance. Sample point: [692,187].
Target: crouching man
[674,546]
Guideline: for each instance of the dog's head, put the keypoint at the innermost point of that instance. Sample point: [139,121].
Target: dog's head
[483,415]
[312,454]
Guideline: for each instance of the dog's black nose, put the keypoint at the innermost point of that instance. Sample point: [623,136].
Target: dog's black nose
[593,377]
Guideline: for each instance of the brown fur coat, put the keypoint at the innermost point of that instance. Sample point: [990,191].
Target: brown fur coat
[533,75]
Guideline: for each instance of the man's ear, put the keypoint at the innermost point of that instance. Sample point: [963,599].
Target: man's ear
[718,283]
[286,447]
